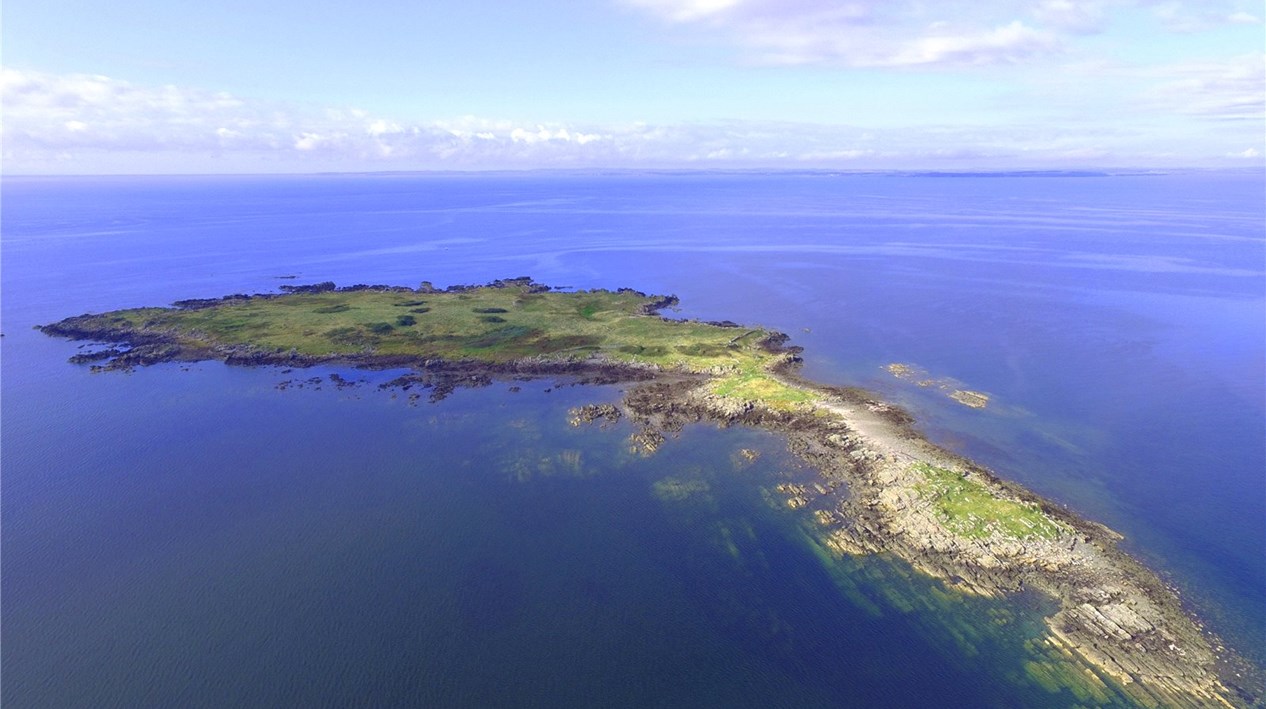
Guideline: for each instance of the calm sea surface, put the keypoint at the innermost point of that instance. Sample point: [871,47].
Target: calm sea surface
[194,536]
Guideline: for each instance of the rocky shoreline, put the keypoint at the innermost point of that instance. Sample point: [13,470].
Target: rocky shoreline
[1115,615]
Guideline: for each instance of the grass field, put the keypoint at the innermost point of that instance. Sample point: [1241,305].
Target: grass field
[968,508]
[492,324]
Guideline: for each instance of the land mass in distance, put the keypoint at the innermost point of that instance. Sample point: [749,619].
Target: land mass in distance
[878,486]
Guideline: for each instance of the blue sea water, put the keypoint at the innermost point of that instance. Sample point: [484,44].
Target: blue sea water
[191,535]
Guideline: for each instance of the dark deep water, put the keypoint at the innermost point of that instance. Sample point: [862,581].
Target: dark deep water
[199,537]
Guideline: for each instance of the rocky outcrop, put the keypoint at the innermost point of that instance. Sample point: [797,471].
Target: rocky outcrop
[606,413]
[323,287]
[653,307]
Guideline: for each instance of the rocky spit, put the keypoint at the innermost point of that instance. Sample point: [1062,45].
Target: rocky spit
[1114,614]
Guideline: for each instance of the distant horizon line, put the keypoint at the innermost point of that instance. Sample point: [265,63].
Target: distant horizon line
[824,171]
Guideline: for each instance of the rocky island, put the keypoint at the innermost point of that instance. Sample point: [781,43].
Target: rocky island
[877,485]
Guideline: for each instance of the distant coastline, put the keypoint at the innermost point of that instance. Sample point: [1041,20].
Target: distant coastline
[1035,172]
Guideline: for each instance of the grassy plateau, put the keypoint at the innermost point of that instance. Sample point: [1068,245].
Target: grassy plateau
[504,322]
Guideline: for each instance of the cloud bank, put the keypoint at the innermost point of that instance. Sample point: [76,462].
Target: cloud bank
[91,123]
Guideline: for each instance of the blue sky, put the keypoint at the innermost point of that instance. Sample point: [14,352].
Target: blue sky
[284,86]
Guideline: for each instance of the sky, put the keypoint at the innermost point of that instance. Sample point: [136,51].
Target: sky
[155,86]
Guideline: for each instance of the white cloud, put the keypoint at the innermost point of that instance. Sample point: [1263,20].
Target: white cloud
[308,141]
[40,109]
[543,133]
[1078,16]
[869,33]
[1201,15]
[1011,43]
[69,123]
[383,127]
[904,33]
[1227,90]
[1249,153]
[685,10]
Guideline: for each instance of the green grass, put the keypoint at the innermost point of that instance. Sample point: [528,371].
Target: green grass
[484,324]
[968,508]
[488,324]
[751,381]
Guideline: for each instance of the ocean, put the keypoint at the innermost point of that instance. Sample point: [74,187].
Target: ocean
[194,535]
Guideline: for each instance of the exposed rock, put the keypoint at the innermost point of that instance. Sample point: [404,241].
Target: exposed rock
[594,412]
[974,399]
[96,355]
[323,287]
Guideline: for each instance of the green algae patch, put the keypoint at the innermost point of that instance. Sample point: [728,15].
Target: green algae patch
[970,509]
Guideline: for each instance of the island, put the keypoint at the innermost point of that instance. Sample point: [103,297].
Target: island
[878,485]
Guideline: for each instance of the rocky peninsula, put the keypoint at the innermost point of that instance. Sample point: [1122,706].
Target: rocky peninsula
[877,486]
